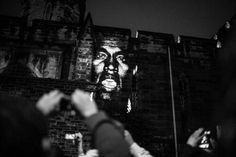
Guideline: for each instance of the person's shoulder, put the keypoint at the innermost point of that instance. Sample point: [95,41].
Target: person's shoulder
[13,100]
[18,104]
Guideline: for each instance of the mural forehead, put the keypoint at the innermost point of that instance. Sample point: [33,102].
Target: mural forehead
[111,50]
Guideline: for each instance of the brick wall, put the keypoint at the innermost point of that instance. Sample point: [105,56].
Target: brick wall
[150,120]
[57,10]
[83,52]
[154,94]
[195,87]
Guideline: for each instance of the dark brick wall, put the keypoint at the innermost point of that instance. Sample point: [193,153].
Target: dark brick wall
[150,120]
[119,35]
[57,10]
[83,52]
[153,92]
[12,27]
[60,123]
[195,88]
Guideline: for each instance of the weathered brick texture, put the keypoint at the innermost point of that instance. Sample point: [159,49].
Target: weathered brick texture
[83,52]
[153,92]
[150,120]
[195,79]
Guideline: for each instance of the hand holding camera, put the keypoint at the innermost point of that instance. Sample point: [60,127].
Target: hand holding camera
[48,102]
[56,100]
[203,139]
[195,138]
[83,103]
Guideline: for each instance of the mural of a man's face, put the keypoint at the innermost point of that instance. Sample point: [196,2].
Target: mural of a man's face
[110,66]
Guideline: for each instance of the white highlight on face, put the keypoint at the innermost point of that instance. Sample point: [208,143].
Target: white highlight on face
[99,65]
[122,68]
[129,107]
[135,70]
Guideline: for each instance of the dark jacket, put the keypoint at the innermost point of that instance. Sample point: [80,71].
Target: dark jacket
[22,127]
[189,151]
[108,138]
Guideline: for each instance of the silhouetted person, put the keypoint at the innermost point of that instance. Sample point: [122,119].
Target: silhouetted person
[226,114]
[23,128]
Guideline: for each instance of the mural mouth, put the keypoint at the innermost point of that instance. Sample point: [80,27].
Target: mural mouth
[109,84]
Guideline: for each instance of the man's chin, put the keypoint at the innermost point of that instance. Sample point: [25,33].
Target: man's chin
[109,93]
[109,89]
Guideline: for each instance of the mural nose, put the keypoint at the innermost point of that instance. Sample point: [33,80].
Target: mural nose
[111,67]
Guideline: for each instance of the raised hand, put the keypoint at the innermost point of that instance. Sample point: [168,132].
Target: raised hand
[92,153]
[195,138]
[128,138]
[48,102]
[83,103]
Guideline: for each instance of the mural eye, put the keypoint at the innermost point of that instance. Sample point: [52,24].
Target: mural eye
[120,57]
[102,56]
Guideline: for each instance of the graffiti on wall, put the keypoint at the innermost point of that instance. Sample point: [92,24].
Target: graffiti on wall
[82,56]
[45,63]
[55,10]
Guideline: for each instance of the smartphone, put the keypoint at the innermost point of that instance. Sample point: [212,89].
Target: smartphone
[205,141]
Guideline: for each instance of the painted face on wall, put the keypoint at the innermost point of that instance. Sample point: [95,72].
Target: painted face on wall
[110,66]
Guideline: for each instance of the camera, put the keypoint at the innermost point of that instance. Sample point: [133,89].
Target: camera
[65,103]
[73,136]
[67,106]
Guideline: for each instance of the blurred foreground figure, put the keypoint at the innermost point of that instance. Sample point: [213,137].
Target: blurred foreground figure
[108,138]
[227,111]
[226,114]
[23,128]
[135,149]
[201,143]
